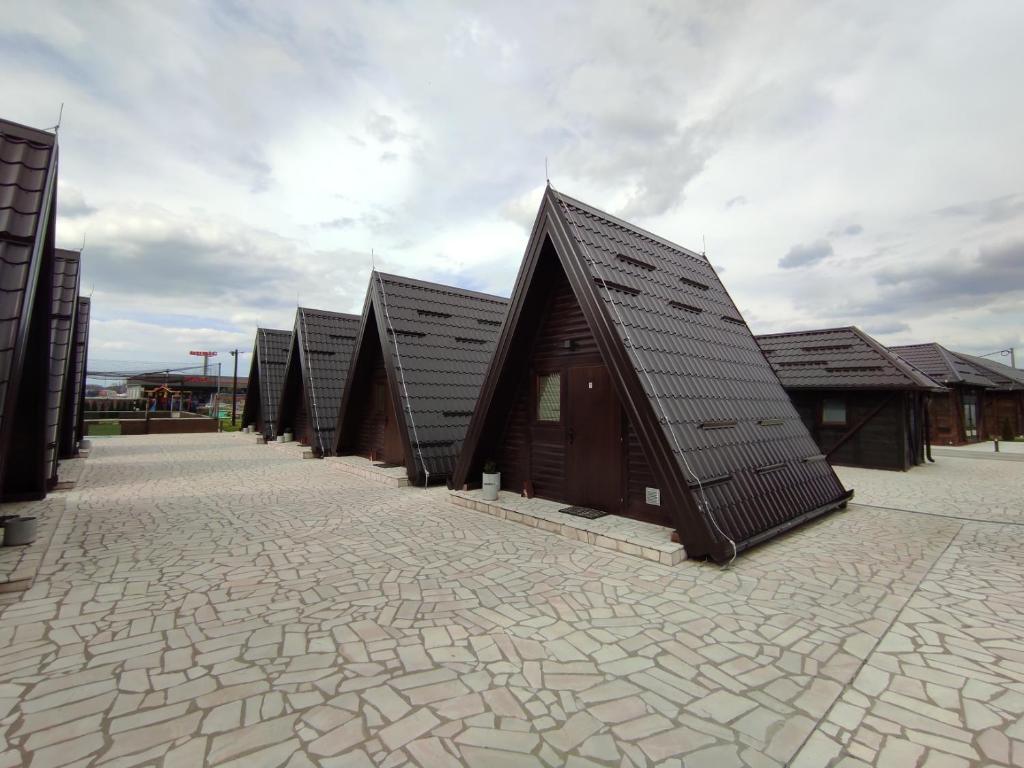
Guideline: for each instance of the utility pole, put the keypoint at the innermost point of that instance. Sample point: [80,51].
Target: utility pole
[234,388]
[214,409]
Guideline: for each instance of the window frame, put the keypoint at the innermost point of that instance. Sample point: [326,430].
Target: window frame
[831,423]
[538,376]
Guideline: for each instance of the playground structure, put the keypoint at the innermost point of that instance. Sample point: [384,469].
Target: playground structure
[163,398]
[157,399]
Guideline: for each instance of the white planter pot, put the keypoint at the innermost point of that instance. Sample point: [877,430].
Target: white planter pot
[491,484]
[288,437]
[252,429]
[19,531]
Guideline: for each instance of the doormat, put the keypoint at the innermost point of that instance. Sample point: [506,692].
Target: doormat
[388,466]
[587,512]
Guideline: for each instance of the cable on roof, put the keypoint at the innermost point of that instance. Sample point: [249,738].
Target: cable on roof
[312,385]
[405,389]
[702,502]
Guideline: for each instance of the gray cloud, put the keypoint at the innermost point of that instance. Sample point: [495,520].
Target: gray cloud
[848,230]
[342,222]
[71,202]
[735,201]
[806,254]
[993,210]
[957,282]
[382,127]
[886,327]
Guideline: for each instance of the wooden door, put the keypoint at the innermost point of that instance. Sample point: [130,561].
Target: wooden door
[593,440]
[301,425]
[394,453]
[970,415]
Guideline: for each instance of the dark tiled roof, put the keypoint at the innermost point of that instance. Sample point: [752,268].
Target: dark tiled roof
[440,340]
[71,429]
[1003,376]
[25,161]
[838,358]
[326,340]
[942,365]
[63,309]
[269,357]
[692,349]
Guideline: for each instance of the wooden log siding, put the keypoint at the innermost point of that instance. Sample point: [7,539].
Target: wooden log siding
[535,453]
[1002,408]
[879,442]
[946,415]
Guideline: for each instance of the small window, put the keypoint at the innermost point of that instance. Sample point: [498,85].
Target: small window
[549,397]
[833,411]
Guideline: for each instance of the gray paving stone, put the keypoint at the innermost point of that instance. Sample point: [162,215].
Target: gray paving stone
[231,604]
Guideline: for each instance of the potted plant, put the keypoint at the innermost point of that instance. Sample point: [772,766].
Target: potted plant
[491,481]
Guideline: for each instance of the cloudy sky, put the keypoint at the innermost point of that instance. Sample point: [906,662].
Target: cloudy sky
[845,163]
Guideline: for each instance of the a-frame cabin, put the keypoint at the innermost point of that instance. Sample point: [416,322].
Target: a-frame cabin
[266,377]
[315,374]
[626,380]
[28,196]
[74,394]
[63,315]
[421,356]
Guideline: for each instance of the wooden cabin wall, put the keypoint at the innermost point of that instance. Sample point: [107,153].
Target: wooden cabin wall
[369,431]
[291,397]
[640,477]
[529,451]
[1001,408]
[944,418]
[253,405]
[302,425]
[946,410]
[881,443]
[513,457]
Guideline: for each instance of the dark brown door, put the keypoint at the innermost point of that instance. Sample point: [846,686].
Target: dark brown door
[593,437]
[392,452]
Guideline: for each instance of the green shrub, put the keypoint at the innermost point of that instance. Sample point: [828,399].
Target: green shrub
[1007,431]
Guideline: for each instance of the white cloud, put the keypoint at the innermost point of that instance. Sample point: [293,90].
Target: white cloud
[223,159]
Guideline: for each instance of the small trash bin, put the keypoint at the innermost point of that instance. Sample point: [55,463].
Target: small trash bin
[19,531]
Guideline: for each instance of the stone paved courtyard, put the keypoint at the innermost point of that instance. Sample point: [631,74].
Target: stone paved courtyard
[207,600]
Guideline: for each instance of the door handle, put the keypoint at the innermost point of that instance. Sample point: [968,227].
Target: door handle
[572,435]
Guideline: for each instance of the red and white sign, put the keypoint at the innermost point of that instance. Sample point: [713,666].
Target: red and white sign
[203,354]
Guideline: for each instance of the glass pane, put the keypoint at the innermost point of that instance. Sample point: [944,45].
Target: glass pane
[833,411]
[549,397]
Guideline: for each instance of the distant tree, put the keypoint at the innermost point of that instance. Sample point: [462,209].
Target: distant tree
[1007,430]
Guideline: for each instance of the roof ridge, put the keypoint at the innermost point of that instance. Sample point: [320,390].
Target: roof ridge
[46,138]
[902,365]
[625,224]
[984,368]
[432,285]
[347,315]
[809,330]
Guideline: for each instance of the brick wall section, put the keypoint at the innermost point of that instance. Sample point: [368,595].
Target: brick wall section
[163,426]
